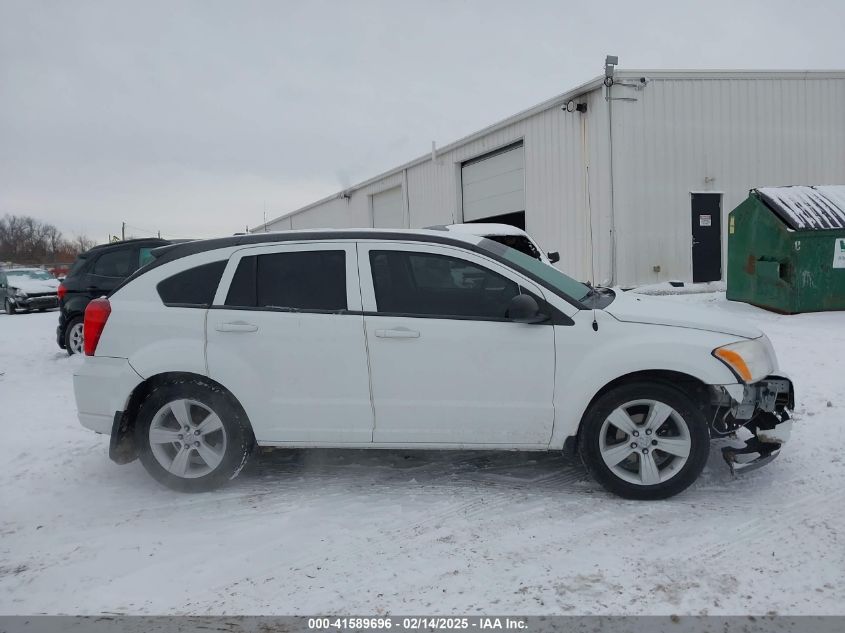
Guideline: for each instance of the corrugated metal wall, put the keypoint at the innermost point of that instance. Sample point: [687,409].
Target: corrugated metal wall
[555,194]
[685,135]
[677,134]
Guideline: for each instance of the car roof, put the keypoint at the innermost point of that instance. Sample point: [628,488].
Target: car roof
[159,241]
[434,235]
[179,250]
[483,229]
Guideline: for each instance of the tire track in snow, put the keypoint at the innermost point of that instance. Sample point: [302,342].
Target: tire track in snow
[758,528]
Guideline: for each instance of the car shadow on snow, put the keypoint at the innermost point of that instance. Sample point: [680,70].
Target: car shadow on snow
[430,467]
[368,468]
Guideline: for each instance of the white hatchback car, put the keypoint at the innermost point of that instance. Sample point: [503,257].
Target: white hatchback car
[415,339]
[505,234]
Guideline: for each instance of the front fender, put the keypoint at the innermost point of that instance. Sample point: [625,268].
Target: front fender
[588,360]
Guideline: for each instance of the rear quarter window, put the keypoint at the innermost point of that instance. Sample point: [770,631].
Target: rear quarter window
[116,263]
[194,287]
[77,267]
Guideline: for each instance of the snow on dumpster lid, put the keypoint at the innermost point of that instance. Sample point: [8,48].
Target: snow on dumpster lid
[804,207]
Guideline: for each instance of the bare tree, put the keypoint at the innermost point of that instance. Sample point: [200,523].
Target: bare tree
[26,240]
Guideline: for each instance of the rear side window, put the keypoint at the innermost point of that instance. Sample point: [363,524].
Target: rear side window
[438,285]
[194,287]
[305,280]
[115,263]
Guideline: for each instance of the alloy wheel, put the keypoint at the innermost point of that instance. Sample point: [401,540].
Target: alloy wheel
[645,442]
[187,438]
[75,340]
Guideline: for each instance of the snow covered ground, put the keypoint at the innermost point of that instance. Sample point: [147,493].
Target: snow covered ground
[305,532]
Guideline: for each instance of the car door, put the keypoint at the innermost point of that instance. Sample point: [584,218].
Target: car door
[447,367]
[286,336]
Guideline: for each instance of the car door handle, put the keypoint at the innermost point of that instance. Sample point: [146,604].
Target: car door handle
[237,326]
[398,333]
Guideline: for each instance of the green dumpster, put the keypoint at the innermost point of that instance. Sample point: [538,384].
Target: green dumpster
[786,249]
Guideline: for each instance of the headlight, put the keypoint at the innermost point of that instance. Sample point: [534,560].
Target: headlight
[750,360]
[20,293]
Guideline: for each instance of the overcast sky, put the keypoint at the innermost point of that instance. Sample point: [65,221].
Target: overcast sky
[186,117]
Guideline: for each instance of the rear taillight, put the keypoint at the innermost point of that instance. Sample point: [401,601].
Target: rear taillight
[96,315]
[61,291]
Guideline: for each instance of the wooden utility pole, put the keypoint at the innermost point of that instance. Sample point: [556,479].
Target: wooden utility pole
[123,230]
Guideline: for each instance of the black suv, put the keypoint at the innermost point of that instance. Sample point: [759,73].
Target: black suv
[96,273]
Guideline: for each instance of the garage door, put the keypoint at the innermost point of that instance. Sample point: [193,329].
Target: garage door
[388,209]
[494,184]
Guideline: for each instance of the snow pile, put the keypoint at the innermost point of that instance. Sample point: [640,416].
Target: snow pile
[803,207]
[679,288]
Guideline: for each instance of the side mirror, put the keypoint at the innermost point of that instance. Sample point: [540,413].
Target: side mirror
[554,257]
[524,309]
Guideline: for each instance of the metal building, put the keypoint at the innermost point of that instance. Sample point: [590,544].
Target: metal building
[629,176]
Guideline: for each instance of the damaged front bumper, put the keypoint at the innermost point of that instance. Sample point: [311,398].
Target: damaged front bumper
[764,411]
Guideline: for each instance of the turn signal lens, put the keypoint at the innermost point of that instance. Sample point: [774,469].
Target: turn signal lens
[734,360]
[750,360]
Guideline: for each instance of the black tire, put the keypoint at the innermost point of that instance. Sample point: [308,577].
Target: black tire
[74,322]
[589,440]
[240,441]
[8,307]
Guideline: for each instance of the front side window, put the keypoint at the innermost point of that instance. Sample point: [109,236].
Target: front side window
[551,276]
[303,280]
[430,284]
[114,264]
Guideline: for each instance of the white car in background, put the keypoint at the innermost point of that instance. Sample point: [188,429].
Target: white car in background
[415,339]
[27,289]
[505,234]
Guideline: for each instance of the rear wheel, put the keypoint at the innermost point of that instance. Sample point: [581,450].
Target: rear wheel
[8,307]
[192,436]
[74,342]
[645,441]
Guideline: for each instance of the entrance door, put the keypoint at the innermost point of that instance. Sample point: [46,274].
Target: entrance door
[706,237]
[493,184]
[388,209]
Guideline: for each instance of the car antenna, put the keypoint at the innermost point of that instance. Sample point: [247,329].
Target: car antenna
[589,285]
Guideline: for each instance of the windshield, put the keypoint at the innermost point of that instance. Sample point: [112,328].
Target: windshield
[29,274]
[549,274]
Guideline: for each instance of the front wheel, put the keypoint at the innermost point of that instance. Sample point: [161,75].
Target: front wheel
[644,441]
[192,436]
[8,307]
